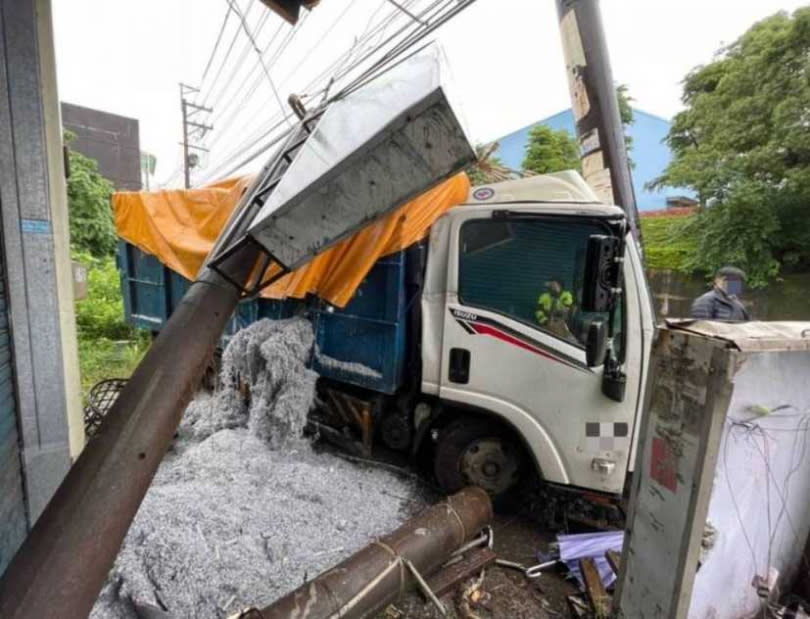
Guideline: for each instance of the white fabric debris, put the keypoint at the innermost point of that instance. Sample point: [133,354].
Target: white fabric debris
[351,367]
[242,510]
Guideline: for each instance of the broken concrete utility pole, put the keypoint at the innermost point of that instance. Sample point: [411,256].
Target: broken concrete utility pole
[600,132]
[341,168]
[377,575]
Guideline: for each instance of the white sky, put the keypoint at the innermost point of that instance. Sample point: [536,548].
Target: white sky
[128,57]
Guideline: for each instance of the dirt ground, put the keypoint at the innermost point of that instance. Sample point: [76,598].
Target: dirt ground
[522,530]
[507,593]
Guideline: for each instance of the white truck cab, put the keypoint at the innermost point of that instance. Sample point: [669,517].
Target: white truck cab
[505,337]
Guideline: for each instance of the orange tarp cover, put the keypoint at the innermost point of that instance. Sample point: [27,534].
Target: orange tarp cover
[179,227]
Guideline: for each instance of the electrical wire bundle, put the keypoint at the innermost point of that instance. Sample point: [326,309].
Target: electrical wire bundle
[230,89]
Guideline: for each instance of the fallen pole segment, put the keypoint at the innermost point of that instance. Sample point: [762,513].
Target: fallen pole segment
[63,563]
[378,574]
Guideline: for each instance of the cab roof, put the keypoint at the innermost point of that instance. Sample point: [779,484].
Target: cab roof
[559,192]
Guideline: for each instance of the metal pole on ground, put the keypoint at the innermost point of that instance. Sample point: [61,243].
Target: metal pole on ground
[378,574]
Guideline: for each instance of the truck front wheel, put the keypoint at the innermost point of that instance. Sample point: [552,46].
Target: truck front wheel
[477,452]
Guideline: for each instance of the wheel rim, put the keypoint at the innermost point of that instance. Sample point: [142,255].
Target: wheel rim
[491,464]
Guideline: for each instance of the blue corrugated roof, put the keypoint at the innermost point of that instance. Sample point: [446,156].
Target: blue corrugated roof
[650,154]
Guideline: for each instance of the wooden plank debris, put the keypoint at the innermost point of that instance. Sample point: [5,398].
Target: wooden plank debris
[614,559]
[449,577]
[594,589]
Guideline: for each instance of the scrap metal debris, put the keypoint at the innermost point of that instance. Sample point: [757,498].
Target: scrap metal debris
[243,510]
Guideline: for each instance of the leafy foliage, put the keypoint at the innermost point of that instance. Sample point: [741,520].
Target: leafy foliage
[743,144]
[488,168]
[108,346]
[91,222]
[101,314]
[666,247]
[627,116]
[550,150]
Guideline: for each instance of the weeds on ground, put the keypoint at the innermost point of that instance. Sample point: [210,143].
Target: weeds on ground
[108,346]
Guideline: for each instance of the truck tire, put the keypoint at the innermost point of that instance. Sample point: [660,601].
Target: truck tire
[478,452]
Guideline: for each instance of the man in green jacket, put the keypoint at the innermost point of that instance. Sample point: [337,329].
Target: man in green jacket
[554,308]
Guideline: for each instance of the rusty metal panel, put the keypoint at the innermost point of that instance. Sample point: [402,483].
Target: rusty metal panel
[689,395]
[718,504]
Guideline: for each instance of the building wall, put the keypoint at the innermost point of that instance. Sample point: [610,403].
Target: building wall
[34,406]
[112,140]
[649,153]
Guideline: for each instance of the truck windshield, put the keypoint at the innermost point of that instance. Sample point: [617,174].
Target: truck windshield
[531,270]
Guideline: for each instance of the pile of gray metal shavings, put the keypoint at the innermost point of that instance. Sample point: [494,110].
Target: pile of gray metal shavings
[242,510]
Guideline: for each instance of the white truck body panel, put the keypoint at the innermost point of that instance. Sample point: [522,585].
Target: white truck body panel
[534,380]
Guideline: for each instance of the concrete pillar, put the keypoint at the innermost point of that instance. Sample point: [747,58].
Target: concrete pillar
[34,228]
[61,231]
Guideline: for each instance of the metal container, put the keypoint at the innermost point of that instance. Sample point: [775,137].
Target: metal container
[382,144]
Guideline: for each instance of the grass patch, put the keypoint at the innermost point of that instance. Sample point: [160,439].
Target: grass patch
[108,346]
[101,358]
[666,246]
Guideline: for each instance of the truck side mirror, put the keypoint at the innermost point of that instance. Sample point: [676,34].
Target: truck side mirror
[596,340]
[602,272]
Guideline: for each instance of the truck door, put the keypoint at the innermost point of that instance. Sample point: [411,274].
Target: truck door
[513,344]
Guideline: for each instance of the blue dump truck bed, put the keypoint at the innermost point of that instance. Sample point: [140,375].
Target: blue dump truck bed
[363,344]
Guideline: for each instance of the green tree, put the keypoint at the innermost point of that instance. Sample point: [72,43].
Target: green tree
[743,144]
[91,222]
[550,150]
[488,168]
[627,116]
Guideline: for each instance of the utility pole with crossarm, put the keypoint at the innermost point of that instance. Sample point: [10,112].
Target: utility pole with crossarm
[192,130]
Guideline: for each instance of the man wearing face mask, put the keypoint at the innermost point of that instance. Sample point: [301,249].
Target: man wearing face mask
[722,302]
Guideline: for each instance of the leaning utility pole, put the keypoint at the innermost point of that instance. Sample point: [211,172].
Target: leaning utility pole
[197,130]
[603,151]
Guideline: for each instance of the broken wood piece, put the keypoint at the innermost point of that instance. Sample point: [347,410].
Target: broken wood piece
[579,609]
[449,577]
[594,589]
[614,559]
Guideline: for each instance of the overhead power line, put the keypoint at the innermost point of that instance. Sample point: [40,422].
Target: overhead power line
[227,54]
[259,54]
[216,44]
[396,43]
[235,68]
[324,76]
[434,16]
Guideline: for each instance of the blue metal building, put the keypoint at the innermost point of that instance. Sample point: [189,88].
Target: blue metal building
[649,152]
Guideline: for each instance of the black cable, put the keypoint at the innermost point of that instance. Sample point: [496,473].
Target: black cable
[216,44]
[227,55]
[220,112]
[241,148]
[237,65]
[264,67]
[274,140]
[378,68]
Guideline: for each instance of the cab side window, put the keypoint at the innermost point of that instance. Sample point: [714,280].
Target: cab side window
[531,270]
